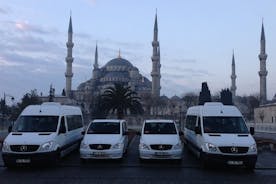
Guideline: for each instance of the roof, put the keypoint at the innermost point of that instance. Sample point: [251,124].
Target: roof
[119,62]
[50,108]
[107,120]
[159,121]
[214,109]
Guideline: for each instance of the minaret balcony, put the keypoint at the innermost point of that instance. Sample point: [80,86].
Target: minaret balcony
[262,73]
[233,76]
[154,74]
[69,59]
[68,74]
[70,44]
[155,43]
[233,88]
[262,56]
[155,58]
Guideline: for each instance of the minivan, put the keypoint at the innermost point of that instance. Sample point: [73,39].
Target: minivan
[43,133]
[160,139]
[104,139]
[218,134]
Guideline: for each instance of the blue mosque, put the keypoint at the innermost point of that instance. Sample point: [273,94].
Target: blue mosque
[117,70]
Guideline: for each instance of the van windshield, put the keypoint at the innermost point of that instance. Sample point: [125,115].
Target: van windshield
[224,125]
[104,128]
[36,124]
[159,128]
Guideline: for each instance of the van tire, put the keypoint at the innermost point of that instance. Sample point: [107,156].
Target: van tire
[250,167]
[125,152]
[10,165]
[57,157]
[82,160]
[203,162]
[141,160]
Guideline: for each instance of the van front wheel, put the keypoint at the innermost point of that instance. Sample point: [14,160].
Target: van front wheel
[57,157]
[250,167]
[203,161]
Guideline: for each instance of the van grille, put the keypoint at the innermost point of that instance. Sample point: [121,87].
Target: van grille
[100,146]
[161,146]
[233,149]
[24,148]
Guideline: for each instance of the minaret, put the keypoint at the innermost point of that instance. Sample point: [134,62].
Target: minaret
[233,77]
[263,71]
[155,74]
[69,59]
[96,64]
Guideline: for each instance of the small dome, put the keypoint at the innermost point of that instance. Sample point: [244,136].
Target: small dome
[175,98]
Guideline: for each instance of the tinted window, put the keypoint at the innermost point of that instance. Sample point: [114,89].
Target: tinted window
[191,122]
[159,128]
[36,124]
[224,125]
[104,128]
[74,122]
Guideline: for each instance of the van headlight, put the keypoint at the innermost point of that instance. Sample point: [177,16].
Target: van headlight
[143,146]
[6,147]
[118,146]
[48,146]
[84,146]
[209,147]
[177,146]
[252,148]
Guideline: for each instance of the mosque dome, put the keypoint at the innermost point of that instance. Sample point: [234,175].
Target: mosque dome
[118,64]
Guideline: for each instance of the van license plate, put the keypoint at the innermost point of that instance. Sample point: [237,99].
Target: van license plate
[161,153]
[98,154]
[230,162]
[22,161]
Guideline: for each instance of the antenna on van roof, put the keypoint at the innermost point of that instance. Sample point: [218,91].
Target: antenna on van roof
[204,95]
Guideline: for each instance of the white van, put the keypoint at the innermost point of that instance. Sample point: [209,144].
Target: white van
[104,139]
[160,139]
[217,133]
[43,133]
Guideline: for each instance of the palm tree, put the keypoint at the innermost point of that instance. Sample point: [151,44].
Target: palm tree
[120,99]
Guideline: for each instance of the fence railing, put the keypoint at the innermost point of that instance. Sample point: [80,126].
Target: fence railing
[263,127]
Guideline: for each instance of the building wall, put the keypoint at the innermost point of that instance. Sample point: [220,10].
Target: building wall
[265,114]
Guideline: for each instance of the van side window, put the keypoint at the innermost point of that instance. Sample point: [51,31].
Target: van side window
[191,122]
[74,122]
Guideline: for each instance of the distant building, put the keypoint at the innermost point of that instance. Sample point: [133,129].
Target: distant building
[265,114]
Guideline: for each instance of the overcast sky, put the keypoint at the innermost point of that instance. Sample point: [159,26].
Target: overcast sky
[196,40]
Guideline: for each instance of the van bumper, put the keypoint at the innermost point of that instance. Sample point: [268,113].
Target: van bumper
[101,154]
[155,154]
[30,158]
[245,160]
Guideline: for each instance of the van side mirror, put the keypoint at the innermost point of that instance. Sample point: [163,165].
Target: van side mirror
[252,130]
[197,130]
[181,133]
[138,133]
[10,128]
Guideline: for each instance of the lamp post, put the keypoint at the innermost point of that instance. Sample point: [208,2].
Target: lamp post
[180,117]
[5,105]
